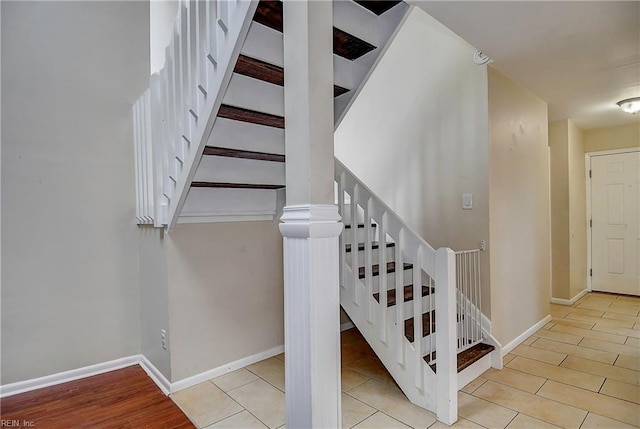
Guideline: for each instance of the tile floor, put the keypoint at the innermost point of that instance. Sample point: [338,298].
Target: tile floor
[581,370]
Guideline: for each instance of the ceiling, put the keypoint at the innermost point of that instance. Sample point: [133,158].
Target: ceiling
[581,57]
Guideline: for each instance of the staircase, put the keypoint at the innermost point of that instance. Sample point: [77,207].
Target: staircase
[210,147]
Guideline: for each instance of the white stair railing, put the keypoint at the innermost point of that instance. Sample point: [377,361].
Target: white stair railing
[469,298]
[384,326]
[182,102]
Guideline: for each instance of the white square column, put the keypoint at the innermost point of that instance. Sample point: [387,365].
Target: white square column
[311,224]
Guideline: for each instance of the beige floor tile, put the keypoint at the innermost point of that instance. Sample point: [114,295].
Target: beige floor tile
[242,420]
[507,358]
[594,319]
[595,421]
[570,349]
[587,333]
[616,330]
[602,369]
[629,298]
[511,377]
[234,379]
[636,325]
[633,342]
[576,323]
[610,347]
[628,362]
[380,421]
[557,310]
[263,401]
[270,370]
[469,388]
[390,400]
[618,316]
[354,411]
[557,373]
[620,390]
[529,341]
[351,379]
[522,421]
[586,312]
[625,308]
[280,356]
[460,424]
[205,404]
[594,305]
[349,353]
[535,406]
[371,367]
[594,402]
[483,412]
[558,336]
[350,336]
[539,354]
[549,325]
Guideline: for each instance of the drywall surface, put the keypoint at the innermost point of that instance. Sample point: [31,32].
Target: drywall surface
[610,138]
[417,136]
[559,163]
[154,298]
[519,208]
[225,293]
[577,210]
[568,209]
[71,71]
[161,16]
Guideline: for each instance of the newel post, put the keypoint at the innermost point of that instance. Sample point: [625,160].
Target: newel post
[446,337]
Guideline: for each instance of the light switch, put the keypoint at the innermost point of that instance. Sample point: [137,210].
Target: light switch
[467,201]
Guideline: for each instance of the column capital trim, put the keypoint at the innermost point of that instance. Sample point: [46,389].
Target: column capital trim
[311,221]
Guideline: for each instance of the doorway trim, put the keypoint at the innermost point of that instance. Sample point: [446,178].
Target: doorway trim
[587,170]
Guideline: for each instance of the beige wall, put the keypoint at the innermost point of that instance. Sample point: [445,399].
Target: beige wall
[70,252]
[577,211]
[609,138]
[519,208]
[225,293]
[568,209]
[417,136]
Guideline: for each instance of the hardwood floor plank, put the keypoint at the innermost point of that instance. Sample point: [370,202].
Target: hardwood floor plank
[126,398]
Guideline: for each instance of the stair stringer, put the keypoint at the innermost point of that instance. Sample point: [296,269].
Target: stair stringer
[401,360]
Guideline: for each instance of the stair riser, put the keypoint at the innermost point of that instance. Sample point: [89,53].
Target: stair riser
[239,135]
[354,19]
[375,256]
[391,280]
[238,170]
[225,203]
[254,94]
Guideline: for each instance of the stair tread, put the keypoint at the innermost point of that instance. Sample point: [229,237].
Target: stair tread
[251,116]
[408,294]
[428,320]
[269,13]
[374,245]
[468,357]
[391,268]
[379,6]
[234,185]
[244,154]
[267,72]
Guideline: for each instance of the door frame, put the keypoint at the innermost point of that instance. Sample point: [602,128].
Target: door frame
[588,156]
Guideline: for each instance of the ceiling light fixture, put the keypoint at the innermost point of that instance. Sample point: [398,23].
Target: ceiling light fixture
[630,105]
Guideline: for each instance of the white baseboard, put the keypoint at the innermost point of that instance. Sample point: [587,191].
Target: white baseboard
[570,301]
[155,375]
[66,376]
[224,369]
[526,334]
[346,325]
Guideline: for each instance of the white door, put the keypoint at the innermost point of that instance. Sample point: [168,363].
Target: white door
[615,232]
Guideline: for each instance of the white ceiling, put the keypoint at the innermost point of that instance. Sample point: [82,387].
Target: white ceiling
[581,57]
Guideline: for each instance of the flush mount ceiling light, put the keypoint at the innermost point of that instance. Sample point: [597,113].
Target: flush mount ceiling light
[630,105]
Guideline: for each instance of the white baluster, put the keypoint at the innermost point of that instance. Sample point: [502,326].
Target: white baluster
[354,245]
[368,262]
[446,369]
[399,276]
[418,329]
[382,260]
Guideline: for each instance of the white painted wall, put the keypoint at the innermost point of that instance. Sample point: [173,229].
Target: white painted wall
[417,135]
[161,16]
[225,293]
[577,210]
[519,208]
[611,138]
[70,253]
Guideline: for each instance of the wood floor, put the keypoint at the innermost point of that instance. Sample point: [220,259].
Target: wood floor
[126,399]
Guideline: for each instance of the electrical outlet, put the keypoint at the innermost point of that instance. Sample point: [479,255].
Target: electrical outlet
[163,338]
[467,201]
[483,245]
